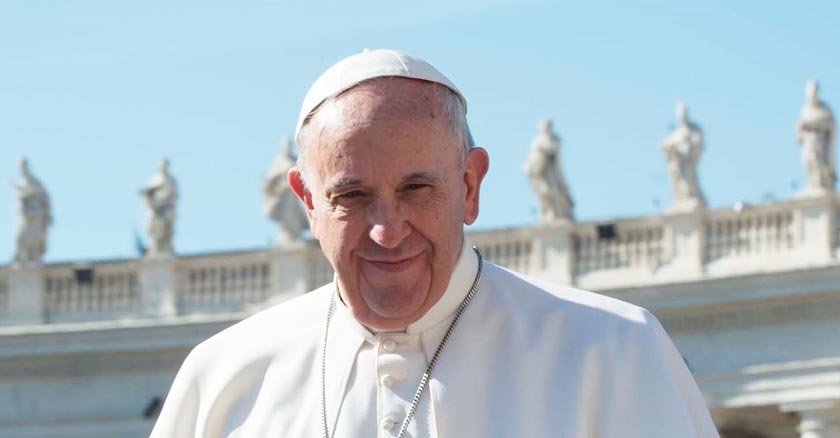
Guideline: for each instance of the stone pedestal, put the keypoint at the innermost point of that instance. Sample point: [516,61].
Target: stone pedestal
[290,268]
[158,283]
[553,253]
[817,419]
[816,233]
[25,295]
[684,243]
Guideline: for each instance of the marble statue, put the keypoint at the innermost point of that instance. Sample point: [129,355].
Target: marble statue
[817,133]
[160,196]
[682,151]
[281,205]
[34,217]
[546,175]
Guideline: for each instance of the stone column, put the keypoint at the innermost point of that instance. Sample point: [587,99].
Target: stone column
[158,286]
[817,419]
[685,238]
[26,291]
[553,252]
[815,233]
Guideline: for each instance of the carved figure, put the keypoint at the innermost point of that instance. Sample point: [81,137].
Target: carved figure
[34,217]
[683,149]
[281,205]
[816,132]
[160,196]
[546,175]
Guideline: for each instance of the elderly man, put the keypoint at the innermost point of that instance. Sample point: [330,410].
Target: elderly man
[418,336]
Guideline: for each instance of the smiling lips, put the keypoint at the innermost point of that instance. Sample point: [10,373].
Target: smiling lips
[394,265]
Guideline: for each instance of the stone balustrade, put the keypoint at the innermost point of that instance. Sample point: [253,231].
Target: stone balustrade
[750,233]
[604,255]
[223,282]
[511,248]
[74,293]
[619,246]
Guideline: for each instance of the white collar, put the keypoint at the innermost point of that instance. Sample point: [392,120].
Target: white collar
[459,285]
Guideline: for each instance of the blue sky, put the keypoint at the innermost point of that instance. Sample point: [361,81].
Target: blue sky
[95,93]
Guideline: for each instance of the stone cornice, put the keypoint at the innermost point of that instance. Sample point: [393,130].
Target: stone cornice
[750,314]
[111,336]
[771,384]
[732,289]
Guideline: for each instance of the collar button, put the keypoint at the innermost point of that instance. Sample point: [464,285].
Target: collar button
[388,423]
[389,345]
[388,380]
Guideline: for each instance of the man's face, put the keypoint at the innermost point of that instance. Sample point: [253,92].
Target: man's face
[387,196]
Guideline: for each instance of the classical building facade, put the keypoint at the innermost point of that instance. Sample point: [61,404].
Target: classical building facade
[750,295]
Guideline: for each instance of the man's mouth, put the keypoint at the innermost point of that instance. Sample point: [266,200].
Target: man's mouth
[392,264]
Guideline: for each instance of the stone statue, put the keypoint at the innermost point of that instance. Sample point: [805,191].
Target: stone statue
[546,175]
[160,196]
[34,217]
[817,133]
[682,150]
[281,205]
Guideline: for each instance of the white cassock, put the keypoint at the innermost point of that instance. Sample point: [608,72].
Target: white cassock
[527,359]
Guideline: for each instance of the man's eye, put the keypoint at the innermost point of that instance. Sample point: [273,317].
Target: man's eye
[414,186]
[351,195]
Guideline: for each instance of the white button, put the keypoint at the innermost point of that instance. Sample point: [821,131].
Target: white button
[389,345]
[388,380]
[388,423]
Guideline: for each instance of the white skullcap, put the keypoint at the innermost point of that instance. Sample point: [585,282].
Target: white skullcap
[367,65]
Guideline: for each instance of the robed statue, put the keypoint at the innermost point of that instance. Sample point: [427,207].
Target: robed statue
[683,149]
[160,196]
[281,205]
[817,133]
[546,174]
[34,217]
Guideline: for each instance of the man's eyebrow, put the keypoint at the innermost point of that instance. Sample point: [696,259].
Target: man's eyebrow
[341,184]
[422,177]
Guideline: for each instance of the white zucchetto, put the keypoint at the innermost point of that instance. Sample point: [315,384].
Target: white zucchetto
[367,65]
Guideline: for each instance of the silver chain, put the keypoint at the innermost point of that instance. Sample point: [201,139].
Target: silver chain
[426,375]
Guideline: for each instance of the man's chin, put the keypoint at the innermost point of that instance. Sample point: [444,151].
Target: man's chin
[383,325]
[391,316]
[393,312]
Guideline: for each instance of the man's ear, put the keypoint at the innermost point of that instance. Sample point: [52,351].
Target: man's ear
[478,162]
[295,178]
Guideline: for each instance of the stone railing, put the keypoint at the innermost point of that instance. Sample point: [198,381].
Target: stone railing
[617,246]
[674,247]
[756,231]
[223,282]
[604,255]
[512,248]
[85,292]
[770,237]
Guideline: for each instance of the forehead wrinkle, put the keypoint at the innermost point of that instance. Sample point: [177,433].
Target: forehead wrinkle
[380,99]
[389,98]
[367,104]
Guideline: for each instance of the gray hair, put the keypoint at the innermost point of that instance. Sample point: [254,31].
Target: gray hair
[453,110]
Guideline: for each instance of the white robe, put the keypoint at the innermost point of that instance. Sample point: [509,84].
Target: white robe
[528,359]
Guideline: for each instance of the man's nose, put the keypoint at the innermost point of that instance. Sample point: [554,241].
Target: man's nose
[388,225]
